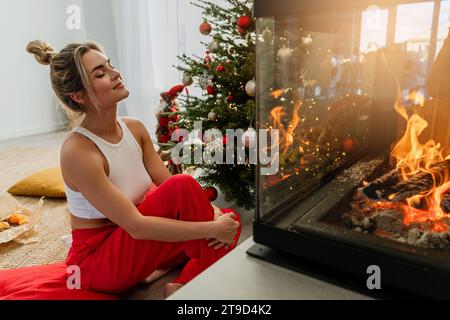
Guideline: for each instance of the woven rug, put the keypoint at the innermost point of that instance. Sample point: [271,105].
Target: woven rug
[16,164]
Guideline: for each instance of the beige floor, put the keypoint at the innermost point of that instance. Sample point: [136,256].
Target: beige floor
[17,163]
[42,151]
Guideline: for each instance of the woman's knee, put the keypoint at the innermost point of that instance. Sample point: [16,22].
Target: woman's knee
[182,181]
[182,178]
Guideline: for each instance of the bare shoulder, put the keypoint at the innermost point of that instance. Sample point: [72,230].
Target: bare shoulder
[76,144]
[75,151]
[137,128]
[132,121]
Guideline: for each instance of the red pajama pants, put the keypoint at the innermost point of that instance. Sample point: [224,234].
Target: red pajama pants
[110,260]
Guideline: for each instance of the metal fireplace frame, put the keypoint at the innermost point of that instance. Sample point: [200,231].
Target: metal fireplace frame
[332,252]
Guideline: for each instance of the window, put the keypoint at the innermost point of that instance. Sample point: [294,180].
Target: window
[374,22]
[413,27]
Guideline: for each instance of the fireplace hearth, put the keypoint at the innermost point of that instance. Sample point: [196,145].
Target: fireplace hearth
[364,141]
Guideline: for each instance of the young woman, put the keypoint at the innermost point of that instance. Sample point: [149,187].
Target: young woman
[122,233]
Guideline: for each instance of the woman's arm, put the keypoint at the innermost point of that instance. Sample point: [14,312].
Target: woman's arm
[85,169]
[152,161]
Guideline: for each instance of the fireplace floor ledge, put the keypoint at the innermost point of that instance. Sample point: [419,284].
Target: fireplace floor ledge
[238,276]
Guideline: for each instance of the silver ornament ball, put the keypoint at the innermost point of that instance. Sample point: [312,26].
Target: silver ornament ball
[212,116]
[250,88]
[187,80]
[284,53]
[213,46]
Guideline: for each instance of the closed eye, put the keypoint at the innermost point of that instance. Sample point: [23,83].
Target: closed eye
[108,63]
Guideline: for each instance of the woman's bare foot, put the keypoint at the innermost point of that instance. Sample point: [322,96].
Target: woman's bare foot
[155,275]
[170,288]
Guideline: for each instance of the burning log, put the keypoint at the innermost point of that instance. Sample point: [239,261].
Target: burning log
[381,188]
[391,187]
[445,202]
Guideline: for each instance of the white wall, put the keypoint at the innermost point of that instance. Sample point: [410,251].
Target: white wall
[27,104]
[176,27]
[100,27]
[174,31]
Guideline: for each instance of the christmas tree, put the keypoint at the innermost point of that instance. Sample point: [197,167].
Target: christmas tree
[226,76]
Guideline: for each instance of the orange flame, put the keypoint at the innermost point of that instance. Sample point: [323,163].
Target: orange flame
[286,134]
[412,157]
[278,93]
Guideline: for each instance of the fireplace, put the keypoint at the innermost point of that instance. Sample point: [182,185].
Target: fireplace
[363,122]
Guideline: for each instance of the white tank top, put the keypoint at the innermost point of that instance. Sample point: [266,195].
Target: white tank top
[126,171]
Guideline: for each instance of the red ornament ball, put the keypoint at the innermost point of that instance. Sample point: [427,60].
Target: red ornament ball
[350,144]
[211,193]
[244,22]
[211,90]
[225,140]
[220,68]
[205,28]
[230,98]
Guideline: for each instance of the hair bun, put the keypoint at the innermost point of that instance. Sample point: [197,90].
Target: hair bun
[43,52]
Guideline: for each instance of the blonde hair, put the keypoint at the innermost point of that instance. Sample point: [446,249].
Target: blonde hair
[67,72]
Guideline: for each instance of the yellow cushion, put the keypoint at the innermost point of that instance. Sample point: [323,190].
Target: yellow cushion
[48,183]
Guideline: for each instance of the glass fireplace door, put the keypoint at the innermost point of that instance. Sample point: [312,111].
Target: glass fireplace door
[357,99]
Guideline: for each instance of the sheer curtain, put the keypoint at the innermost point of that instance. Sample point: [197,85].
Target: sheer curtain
[150,34]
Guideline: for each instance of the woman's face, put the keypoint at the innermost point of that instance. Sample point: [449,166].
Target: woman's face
[105,80]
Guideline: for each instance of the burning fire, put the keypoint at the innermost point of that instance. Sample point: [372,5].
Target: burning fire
[413,157]
[286,134]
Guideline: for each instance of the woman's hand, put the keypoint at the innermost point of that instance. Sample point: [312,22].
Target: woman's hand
[225,228]
[213,242]
[217,212]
